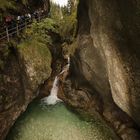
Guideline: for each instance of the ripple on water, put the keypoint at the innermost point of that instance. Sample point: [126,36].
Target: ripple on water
[57,123]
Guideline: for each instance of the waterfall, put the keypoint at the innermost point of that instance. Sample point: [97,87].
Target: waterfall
[52,99]
[66,68]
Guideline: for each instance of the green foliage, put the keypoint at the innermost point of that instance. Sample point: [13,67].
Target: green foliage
[24,2]
[67,27]
[4,4]
[34,46]
[10,4]
[42,30]
[56,13]
[37,58]
[66,19]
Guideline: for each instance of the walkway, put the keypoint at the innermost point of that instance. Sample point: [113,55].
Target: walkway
[8,32]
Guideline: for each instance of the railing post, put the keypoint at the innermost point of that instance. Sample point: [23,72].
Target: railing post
[17,29]
[25,24]
[7,34]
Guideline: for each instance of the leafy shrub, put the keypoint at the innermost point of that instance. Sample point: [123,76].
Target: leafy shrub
[42,30]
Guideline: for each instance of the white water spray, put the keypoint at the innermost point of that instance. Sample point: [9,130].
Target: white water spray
[52,99]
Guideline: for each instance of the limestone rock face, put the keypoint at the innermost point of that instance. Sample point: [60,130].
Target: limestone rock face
[107,62]
[23,71]
[109,51]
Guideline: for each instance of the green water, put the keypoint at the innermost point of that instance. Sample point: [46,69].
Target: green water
[57,123]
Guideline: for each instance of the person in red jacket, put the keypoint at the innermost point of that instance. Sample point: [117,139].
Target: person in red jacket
[8,20]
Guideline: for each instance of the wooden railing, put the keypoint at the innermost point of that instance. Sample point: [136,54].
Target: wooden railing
[14,30]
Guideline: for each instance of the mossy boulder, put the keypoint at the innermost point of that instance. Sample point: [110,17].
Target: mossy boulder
[37,59]
[22,71]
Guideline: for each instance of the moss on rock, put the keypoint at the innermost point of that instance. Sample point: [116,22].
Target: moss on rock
[37,59]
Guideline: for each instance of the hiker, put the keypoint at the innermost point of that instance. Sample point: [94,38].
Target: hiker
[18,19]
[8,20]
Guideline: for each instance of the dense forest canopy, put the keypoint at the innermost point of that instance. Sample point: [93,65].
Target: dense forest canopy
[65,17]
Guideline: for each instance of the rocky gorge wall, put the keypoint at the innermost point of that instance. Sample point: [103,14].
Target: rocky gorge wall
[105,69]
[24,69]
[115,36]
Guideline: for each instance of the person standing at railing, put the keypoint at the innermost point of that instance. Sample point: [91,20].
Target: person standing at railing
[22,18]
[17,24]
[28,17]
[18,19]
[8,20]
[35,15]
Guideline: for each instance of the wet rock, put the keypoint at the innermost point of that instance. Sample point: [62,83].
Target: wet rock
[106,64]
[21,76]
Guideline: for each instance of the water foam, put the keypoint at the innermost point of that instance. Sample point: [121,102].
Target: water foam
[52,99]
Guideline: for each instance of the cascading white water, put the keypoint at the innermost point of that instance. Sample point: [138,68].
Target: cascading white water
[68,60]
[66,68]
[52,99]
